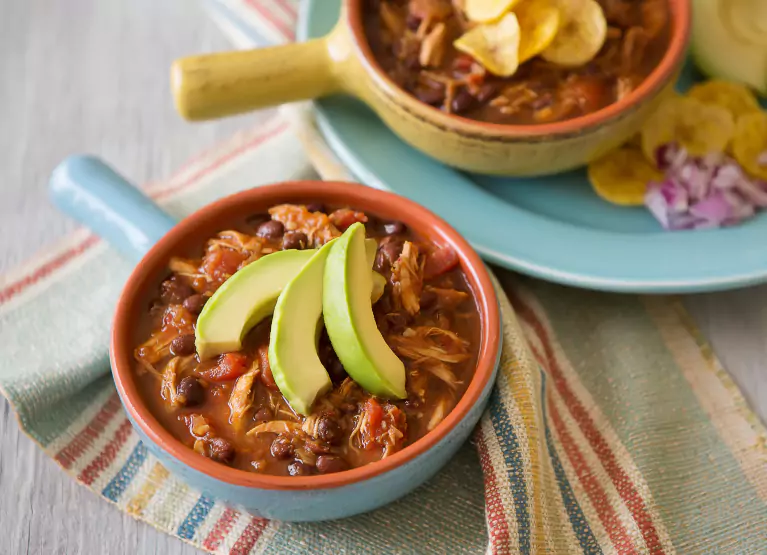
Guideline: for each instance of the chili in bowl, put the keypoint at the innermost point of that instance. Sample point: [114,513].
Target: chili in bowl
[306,350]
[542,87]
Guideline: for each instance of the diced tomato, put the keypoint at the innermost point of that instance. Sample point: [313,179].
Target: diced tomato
[439,261]
[229,367]
[375,414]
[344,217]
[588,91]
[267,378]
[221,264]
[177,317]
[463,63]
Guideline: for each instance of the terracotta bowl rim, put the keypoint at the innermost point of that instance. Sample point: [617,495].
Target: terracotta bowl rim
[419,218]
[679,37]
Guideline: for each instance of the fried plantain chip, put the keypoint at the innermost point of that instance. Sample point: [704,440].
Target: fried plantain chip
[699,128]
[494,45]
[621,176]
[581,34]
[749,145]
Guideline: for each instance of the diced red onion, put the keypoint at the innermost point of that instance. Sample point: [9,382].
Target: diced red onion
[702,192]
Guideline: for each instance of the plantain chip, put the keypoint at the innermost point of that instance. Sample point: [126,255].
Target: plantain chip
[487,11]
[581,34]
[699,128]
[538,26]
[494,45]
[733,97]
[749,145]
[621,176]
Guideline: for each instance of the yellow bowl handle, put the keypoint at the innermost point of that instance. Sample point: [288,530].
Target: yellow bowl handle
[228,83]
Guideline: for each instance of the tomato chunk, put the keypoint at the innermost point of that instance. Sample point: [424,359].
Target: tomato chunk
[375,414]
[439,261]
[267,378]
[221,264]
[344,217]
[229,367]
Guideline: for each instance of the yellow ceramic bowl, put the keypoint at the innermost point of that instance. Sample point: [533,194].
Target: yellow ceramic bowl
[217,85]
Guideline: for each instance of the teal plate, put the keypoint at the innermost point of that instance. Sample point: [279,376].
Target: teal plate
[554,228]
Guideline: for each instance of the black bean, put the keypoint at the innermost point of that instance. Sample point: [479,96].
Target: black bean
[315,207]
[263,414]
[432,97]
[191,392]
[295,240]
[182,345]
[413,22]
[543,101]
[221,450]
[486,92]
[174,291]
[271,229]
[327,464]
[428,299]
[397,321]
[336,371]
[412,62]
[394,228]
[298,468]
[462,101]
[317,447]
[387,254]
[194,303]
[328,430]
[281,448]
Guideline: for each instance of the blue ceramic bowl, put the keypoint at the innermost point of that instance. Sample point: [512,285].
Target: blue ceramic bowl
[93,193]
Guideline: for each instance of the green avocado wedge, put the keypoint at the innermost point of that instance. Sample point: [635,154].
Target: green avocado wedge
[349,318]
[293,357]
[244,300]
[725,41]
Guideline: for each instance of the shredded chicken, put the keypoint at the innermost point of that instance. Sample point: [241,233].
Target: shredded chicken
[310,425]
[316,225]
[201,430]
[241,399]
[424,342]
[170,382]
[276,427]
[433,46]
[632,50]
[440,411]
[155,348]
[447,299]
[183,267]
[435,10]
[623,87]
[654,16]
[407,279]
[393,20]
[441,371]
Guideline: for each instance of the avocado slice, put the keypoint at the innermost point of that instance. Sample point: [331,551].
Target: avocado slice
[244,300]
[720,50]
[293,357]
[349,318]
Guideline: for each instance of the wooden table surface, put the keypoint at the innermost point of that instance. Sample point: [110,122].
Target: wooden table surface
[92,76]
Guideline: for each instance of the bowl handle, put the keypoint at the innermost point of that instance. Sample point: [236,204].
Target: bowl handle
[91,192]
[228,83]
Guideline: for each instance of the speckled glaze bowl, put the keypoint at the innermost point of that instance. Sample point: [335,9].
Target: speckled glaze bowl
[222,84]
[94,194]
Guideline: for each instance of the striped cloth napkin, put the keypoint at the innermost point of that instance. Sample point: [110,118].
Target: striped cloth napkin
[612,428]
